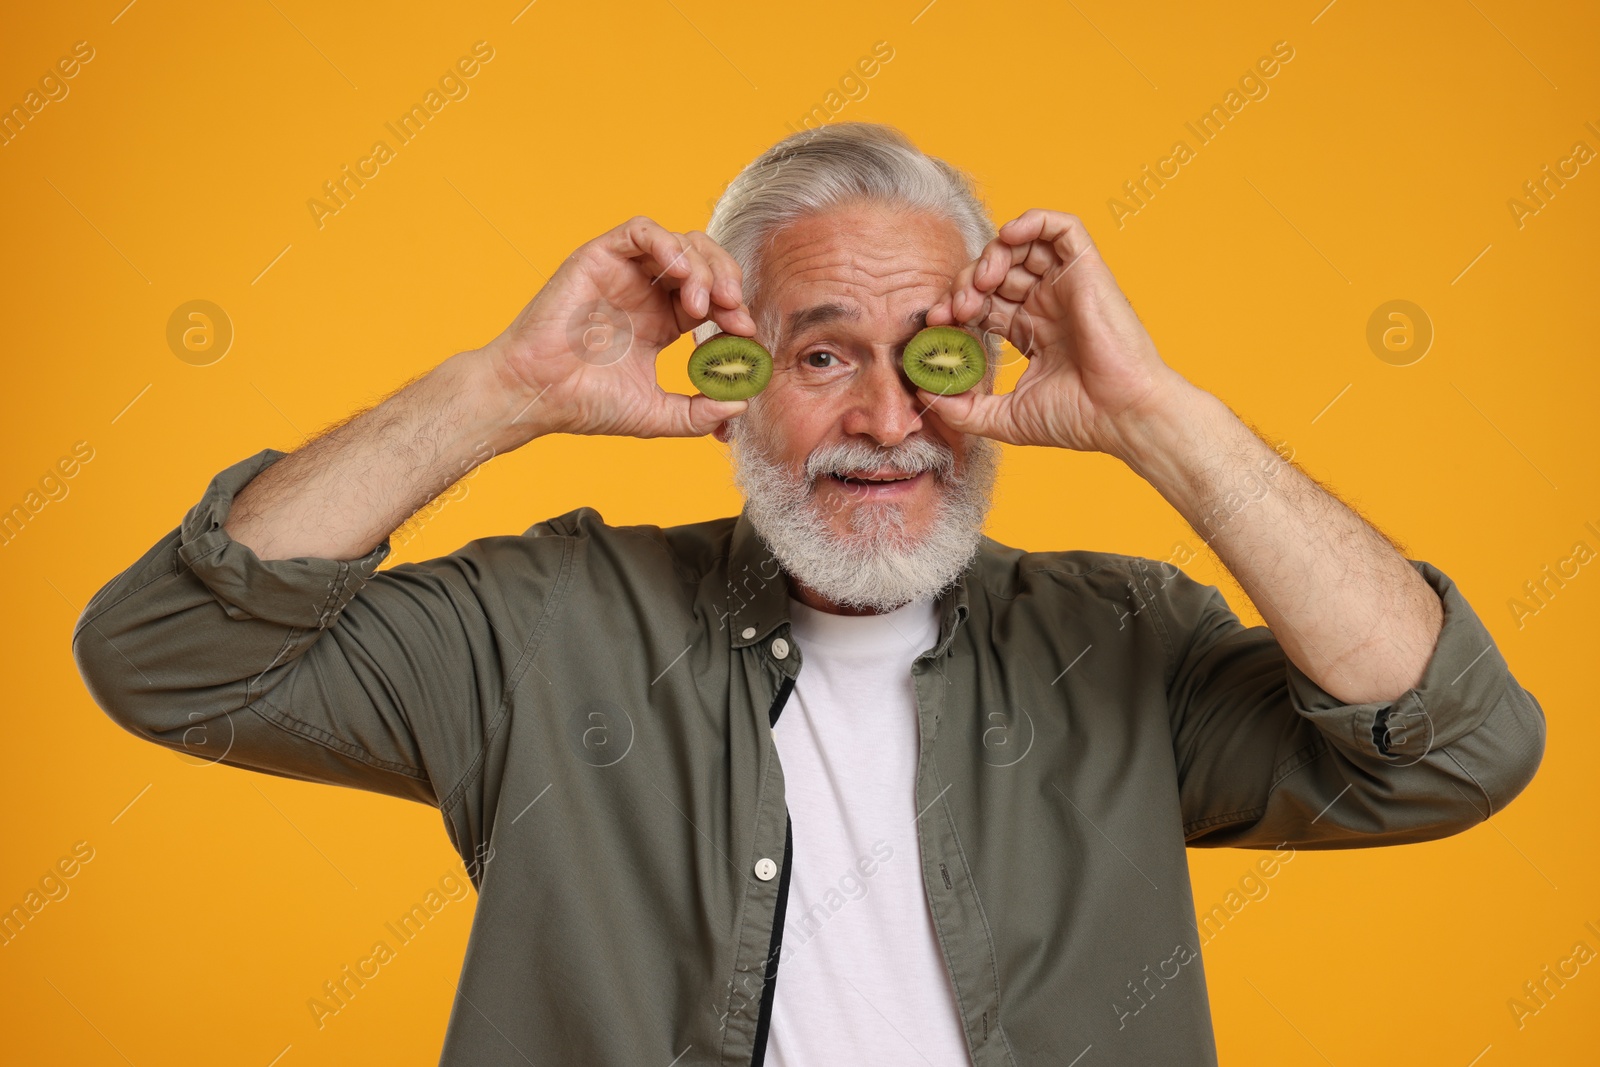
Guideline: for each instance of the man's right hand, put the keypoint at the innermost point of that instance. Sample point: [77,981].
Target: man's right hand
[583,352]
[580,358]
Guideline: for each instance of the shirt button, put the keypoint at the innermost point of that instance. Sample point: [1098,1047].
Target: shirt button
[749,632]
[780,648]
[766,870]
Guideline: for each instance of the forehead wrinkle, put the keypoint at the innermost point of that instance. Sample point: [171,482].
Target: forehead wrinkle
[875,275]
[860,249]
[853,263]
[857,287]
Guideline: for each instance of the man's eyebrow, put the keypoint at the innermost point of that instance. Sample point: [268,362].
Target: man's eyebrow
[806,318]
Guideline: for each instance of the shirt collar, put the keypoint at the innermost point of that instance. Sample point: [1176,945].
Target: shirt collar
[756,600]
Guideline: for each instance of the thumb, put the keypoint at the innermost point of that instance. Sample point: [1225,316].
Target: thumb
[694,416]
[971,412]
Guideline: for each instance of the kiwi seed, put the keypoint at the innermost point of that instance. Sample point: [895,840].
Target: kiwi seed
[730,367]
[945,360]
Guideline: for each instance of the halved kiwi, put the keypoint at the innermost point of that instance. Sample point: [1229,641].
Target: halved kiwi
[730,367]
[945,360]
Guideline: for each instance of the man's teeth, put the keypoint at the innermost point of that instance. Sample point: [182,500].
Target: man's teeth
[854,478]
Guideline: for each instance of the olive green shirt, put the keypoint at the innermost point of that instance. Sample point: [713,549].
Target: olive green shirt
[590,708]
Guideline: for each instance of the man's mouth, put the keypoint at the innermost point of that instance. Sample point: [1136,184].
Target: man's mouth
[877,483]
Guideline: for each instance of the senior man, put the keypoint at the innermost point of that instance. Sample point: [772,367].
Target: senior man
[838,779]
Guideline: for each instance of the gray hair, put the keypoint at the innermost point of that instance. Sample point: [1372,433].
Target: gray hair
[814,170]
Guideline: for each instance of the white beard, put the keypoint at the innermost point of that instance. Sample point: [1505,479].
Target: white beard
[877,566]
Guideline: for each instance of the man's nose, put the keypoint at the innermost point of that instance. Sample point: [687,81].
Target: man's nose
[884,404]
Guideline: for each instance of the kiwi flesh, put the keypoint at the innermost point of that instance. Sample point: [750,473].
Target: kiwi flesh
[945,360]
[730,367]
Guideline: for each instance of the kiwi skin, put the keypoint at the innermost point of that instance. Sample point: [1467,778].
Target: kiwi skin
[730,367]
[944,360]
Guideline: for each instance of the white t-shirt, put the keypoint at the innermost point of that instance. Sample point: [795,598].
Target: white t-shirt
[860,976]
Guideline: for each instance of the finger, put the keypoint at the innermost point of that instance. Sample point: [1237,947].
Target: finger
[646,240]
[992,267]
[996,260]
[1042,258]
[965,298]
[1006,321]
[696,291]
[726,305]
[678,415]
[985,267]
[730,320]
[963,301]
[969,306]
[989,312]
[1018,283]
[699,300]
[727,288]
[972,412]
[1000,314]
[1065,233]
[1020,330]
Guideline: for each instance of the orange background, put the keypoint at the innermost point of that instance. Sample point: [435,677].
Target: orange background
[1378,167]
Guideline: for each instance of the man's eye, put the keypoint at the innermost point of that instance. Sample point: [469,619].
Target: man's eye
[813,358]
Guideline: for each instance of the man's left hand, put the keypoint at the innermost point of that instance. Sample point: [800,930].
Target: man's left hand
[1093,371]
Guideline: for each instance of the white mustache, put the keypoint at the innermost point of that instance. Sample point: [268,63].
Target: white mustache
[911,457]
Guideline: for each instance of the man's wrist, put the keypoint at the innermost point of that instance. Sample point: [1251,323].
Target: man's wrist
[1166,439]
[504,415]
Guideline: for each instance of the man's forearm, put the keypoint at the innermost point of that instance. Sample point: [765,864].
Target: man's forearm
[1347,608]
[341,494]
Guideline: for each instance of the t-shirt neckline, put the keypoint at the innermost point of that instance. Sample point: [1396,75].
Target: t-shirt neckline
[913,624]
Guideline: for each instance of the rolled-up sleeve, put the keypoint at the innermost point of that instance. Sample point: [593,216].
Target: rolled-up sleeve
[322,670]
[1266,756]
